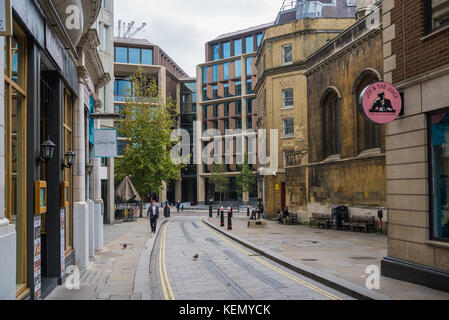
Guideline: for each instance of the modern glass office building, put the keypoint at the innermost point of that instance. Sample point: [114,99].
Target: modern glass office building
[225,102]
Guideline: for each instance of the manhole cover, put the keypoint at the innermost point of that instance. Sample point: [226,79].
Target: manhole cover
[309,260]
[363,258]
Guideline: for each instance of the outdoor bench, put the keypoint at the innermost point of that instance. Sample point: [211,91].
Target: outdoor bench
[360,223]
[321,220]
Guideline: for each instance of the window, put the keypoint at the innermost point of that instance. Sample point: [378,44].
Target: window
[226,50]
[249,86]
[238,123]
[205,112]
[238,68]
[249,42]
[215,110]
[105,4]
[249,66]
[226,124]
[288,128]
[237,47]
[439,149]
[226,90]
[249,106]
[367,132]
[121,55]
[249,123]
[105,38]
[121,145]
[287,54]
[238,107]
[287,98]
[331,125]
[134,56]
[122,89]
[226,71]
[226,109]
[215,92]
[259,39]
[205,97]
[205,74]
[147,56]
[215,73]
[238,88]
[105,98]
[215,52]
[436,14]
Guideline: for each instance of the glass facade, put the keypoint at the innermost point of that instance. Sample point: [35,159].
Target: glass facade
[215,73]
[226,50]
[205,74]
[249,44]
[226,71]
[237,47]
[439,133]
[238,69]
[133,55]
[249,66]
[215,52]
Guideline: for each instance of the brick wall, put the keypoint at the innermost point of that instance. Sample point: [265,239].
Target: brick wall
[415,55]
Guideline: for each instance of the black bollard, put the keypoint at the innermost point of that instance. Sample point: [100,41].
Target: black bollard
[247,212]
[222,218]
[231,211]
[218,212]
[230,220]
[210,211]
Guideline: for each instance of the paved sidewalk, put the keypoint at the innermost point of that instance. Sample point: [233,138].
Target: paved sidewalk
[341,254]
[111,273]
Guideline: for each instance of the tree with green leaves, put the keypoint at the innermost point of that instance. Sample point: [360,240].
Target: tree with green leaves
[246,180]
[220,179]
[147,122]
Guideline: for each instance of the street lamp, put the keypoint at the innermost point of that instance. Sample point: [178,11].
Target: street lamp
[47,151]
[69,159]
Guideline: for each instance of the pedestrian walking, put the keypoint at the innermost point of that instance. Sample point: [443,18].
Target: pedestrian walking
[177,206]
[153,215]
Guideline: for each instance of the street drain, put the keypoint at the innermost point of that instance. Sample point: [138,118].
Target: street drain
[309,260]
[363,258]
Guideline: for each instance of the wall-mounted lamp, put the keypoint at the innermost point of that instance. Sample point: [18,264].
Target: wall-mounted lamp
[47,151]
[69,159]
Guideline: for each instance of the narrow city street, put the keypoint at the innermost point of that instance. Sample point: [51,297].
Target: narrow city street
[223,269]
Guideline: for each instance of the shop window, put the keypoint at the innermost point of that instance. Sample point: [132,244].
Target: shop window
[439,149]
[331,125]
[367,132]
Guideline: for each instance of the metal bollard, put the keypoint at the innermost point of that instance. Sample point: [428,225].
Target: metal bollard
[231,211]
[222,218]
[247,212]
[218,212]
[230,220]
[210,211]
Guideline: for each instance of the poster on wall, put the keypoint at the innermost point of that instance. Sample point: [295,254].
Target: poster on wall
[380,103]
[105,143]
[62,242]
[37,258]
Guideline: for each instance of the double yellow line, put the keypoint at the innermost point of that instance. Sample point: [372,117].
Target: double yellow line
[274,268]
[165,283]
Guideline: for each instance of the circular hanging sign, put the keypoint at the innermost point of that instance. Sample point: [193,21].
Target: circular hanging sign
[380,103]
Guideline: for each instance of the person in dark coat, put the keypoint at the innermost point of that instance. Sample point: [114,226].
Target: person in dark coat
[153,215]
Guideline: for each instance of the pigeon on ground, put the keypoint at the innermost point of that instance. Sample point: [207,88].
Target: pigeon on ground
[124,245]
[195,257]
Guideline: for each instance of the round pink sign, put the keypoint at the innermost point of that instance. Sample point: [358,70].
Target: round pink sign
[380,103]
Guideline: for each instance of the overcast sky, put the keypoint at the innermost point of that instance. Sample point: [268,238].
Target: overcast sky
[182,27]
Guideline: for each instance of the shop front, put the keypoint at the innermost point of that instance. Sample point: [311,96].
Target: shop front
[40,89]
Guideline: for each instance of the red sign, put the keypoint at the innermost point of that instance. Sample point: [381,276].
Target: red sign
[380,103]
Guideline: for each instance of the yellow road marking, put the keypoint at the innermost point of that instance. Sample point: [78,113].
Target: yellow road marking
[274,268]
[165,283]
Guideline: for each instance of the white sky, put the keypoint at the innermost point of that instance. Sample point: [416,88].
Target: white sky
[182,27]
